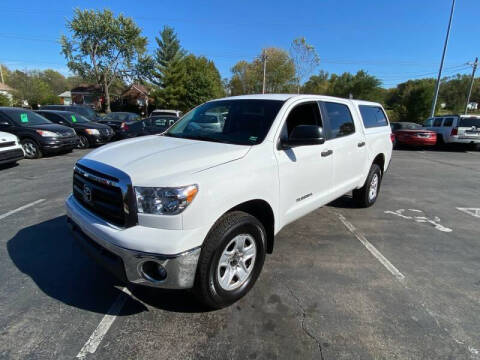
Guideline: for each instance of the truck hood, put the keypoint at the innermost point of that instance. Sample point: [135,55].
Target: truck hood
[150,159]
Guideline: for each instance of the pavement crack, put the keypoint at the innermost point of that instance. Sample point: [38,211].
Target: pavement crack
[304,316]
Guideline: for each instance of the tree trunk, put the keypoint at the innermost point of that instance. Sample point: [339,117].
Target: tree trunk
[107,96]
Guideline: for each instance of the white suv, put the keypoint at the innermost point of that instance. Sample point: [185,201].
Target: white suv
[199,207]
[460,129]
[10,149]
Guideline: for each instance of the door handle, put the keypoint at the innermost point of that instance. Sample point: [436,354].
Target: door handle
[361,144]
[327,153]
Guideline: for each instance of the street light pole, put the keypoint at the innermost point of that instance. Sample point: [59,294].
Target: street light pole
[437,86]
[475,64]
[264,70]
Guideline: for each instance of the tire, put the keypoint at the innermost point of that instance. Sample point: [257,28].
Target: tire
[220,258]
[368,194]
[31,149]
[83,142]
[440,141]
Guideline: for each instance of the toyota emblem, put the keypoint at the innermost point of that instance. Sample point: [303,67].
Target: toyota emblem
[87,193]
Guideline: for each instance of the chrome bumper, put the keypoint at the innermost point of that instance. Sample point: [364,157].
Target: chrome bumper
[127,264]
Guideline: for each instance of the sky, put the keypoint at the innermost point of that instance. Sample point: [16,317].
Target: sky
[393,40]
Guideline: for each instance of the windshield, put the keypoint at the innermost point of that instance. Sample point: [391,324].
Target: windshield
[26,117]
[86,111]
[470,122]
[243,122]
[121,116]
[77,119]
[410,126]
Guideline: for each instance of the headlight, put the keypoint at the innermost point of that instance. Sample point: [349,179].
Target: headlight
[92,131]
[164,201]
[47,133]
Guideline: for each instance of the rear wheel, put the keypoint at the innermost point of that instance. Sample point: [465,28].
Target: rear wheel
[367,195]
[231,259]
[31,149]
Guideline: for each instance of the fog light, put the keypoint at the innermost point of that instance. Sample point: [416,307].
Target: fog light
[153,271]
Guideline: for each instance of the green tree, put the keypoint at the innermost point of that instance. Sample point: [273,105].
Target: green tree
[203,82]
[453,92]
[360,86]
[103,47]
[4,101]
[247,78]
[30,86]
[169,71]
[317,84]
[305,59]
[412,100]
[56,81]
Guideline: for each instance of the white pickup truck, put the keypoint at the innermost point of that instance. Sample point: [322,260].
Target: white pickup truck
[199,206]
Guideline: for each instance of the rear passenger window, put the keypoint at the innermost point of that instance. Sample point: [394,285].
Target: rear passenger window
[373,116]
[448,122]
[437,122]
[340,118]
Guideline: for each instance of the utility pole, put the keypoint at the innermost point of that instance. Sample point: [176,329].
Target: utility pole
[437,86]
[475,64]
[1,73]
[264,55]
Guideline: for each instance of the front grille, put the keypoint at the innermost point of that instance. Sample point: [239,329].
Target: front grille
[11,154]
[100,194]
[105,132]
[7,144]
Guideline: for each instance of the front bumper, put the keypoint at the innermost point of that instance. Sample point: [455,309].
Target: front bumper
[11,155]
[126,264]
[58,144]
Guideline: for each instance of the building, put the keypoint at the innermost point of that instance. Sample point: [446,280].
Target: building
[66,98]
[91,95]
[472,106]
[136,98]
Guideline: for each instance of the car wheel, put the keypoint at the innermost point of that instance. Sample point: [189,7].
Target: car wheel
[367,195]
[231,259]
[83,142]
[31,149]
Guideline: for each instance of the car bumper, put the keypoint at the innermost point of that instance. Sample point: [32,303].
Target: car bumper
[99,140]
[11,155]
[131,265]
[54,144]
[417,141]
[464,140]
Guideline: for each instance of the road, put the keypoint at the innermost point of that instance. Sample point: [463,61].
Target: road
[400,280]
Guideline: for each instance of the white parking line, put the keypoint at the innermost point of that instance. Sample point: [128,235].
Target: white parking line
[475,212]
[373,250]
[20,208]
[97,336]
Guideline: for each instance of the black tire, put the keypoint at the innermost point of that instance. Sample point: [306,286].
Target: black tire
[362,196]
[440,141]
[31,148]
[83,142]
[226,229]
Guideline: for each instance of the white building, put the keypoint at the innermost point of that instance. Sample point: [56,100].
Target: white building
[472,106]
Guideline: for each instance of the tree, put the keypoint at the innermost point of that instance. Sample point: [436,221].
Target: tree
[169,71]
[30,86]
[305,59]
[453,92]
[56,81]
[4,100]
[247,77]
[317,84]
[203,82]
[412,100]
[103,47]
[359,86]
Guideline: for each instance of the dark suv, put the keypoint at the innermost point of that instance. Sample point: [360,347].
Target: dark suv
[86,111]
[89,133]
[37,134]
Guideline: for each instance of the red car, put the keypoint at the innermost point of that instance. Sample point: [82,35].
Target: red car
[412,134]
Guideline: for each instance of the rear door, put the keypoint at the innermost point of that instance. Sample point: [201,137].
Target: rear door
[347,141]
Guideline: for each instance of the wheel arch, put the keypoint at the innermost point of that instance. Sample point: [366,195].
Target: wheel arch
[380,161]
[261,210]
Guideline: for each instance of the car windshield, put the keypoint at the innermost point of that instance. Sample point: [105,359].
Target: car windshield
[121,116]
[26,117]
[77,119]
[470,122]
[410,126]
[243,122]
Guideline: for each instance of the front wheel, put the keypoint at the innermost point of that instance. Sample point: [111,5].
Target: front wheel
[367,195]
[83,142]
[31,149]
[231,259]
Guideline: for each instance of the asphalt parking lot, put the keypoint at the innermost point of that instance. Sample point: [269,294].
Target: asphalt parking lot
[400,280]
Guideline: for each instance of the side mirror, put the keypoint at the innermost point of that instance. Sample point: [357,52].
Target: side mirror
[4,123]
[303,135]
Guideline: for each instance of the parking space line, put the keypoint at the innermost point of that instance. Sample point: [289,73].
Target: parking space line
[373,250]
[3,216]
[97,336]
[475,212]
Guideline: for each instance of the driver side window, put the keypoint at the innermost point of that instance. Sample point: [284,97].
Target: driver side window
[302,114]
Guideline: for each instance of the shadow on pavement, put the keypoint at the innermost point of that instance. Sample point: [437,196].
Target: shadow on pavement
[48,254]
[344,202]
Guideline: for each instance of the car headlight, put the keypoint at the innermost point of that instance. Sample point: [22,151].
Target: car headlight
[164,200]
[92,131]
[47,133]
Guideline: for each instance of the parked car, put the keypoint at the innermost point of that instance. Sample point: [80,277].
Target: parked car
[200,208]
[121,116]
[158,112]
[149,126]
[455,129]
[412,134]
[84,110]
[37,135]
[10,149]
[89,133]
